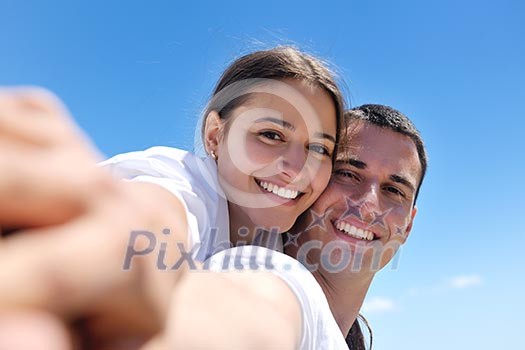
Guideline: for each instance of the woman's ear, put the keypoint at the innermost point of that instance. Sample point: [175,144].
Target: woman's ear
[212,132]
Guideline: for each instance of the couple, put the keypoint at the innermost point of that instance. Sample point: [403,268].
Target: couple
[271,130]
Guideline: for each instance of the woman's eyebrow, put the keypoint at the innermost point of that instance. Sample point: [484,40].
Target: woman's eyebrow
[280,122]
[290,126]
[325,136]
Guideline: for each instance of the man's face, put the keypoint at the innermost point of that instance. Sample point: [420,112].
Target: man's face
[367,210]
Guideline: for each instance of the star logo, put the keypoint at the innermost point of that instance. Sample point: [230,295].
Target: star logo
[352,209]
[379,219]
[291,239]
[318,220]
[399,232]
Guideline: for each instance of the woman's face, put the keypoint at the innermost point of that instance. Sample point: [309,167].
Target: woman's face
[275,153]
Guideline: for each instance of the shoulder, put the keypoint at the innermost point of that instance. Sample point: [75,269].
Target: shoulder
[269,296]
[256,258]
[168,165]
[191,180]
[255,307]
[318,327]
[154,160]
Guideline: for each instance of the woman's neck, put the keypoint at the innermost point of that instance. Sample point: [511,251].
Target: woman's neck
[242,229]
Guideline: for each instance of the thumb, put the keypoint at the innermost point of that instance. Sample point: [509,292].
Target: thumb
[33,330]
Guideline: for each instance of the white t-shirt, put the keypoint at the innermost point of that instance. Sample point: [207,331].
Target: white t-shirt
[319,328]
[193,181]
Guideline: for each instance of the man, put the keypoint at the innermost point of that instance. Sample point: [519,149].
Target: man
[211,304]
[367,211]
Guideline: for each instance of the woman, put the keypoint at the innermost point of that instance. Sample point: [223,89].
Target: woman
[270,131]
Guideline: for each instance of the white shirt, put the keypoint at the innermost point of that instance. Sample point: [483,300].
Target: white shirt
[193,181]
[319,328]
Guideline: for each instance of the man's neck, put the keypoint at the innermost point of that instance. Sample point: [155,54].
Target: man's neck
[344,290]
[345,294]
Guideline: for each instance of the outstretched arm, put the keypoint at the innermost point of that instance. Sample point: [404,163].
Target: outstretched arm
[233,310]
[74,221]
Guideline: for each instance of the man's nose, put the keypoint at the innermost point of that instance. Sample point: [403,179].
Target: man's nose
[369,202]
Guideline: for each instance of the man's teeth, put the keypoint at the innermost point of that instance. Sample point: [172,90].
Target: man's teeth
[281,192]
[355,232]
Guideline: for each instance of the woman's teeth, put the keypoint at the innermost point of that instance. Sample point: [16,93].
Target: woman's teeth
[280,191]
[355,232]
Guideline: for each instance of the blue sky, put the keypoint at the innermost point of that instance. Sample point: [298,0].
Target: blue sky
[137,74]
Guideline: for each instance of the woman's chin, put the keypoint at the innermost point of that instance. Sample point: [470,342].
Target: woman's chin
[275,224]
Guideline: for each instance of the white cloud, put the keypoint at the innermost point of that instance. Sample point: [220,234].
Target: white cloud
[447,285]
[466,281]
[378,305]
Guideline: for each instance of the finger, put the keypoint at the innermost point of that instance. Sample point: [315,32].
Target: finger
[7,231]
[44,188]
[156,343]
[61,270]
[33,97]
[32,115]
[37,117]
[65,269]
[88,339]
[117,321]
[33,330]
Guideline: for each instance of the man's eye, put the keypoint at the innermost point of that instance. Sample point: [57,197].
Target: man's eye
[319,149]
[396,191]
[346,173]
[271,135]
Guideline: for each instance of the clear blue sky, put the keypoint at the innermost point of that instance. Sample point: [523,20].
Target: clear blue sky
[137,73]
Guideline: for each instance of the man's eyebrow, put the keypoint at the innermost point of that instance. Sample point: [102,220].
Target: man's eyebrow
[354,162]
[280,122]
[402,180]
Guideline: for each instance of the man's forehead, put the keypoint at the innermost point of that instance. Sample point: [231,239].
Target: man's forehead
[365,143]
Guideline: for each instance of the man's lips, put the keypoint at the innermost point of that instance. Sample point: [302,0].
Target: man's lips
[355,229]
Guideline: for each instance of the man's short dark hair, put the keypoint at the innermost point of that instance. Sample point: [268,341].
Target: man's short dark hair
[390,118]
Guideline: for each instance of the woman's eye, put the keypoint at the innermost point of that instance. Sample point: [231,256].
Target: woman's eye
[319,149]
[271,135]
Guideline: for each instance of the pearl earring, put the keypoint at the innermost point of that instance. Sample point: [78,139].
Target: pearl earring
[213,155]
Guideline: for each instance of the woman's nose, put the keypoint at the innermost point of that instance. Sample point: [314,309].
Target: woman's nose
[292,162]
